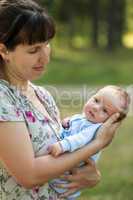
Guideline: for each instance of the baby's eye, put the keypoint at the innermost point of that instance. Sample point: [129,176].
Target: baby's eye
[96,100]
[105,111]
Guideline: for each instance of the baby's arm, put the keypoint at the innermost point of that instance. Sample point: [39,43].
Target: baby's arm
[75,141]
[56,149]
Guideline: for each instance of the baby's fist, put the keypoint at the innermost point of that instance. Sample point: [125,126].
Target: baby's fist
[55,149]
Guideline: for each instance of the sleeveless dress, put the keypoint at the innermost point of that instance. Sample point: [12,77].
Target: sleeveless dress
[43,131]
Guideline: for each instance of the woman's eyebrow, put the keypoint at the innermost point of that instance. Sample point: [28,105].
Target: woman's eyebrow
[36,46]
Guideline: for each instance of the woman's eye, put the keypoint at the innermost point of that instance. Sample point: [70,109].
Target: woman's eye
[33,51]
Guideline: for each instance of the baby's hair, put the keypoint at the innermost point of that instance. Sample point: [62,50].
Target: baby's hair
[125,97]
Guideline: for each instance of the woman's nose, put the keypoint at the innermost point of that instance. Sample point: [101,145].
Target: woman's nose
[45,53]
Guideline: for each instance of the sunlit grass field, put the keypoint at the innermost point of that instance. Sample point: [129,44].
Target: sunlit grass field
[115,164]
[96,68]
[92,67]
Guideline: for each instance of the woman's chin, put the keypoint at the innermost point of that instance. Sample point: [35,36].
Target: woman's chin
[37,76]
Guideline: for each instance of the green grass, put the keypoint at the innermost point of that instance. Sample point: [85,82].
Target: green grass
[93,67]
[116,166]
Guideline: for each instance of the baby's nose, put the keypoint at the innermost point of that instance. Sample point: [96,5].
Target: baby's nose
[96,108]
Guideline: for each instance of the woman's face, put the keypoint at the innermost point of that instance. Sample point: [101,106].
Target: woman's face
[28,62]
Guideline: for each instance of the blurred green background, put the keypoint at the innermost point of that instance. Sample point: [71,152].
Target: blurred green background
[93,43]
[93,47]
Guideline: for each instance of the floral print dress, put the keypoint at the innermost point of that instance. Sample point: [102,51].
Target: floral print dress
[43,131]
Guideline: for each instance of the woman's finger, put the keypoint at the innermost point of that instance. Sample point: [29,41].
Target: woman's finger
[108,130]
[90,162]
[112,119]
[67,185]
[67,177]
[71,185]
[68,193]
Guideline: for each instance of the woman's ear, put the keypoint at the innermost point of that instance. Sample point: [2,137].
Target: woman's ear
[3,52]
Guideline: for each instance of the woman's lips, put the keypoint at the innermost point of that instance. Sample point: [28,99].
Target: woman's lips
[39,68]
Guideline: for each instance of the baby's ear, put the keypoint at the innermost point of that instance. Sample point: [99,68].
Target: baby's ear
[121,117]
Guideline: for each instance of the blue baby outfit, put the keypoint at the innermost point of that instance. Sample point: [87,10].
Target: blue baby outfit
[80,132]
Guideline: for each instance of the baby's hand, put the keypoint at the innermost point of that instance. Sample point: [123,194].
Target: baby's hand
[55,149]
[65,122]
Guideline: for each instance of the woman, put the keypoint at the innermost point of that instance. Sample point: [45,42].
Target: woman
[29,118]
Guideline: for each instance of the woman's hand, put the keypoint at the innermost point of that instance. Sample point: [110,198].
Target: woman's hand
[83,177]
[107,131]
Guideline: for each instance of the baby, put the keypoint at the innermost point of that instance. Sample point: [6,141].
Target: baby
[81,129]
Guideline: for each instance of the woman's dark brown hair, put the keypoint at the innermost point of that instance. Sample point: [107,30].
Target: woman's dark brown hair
[24,21]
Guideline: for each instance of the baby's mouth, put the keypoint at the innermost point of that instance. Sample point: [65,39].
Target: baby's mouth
[91,113]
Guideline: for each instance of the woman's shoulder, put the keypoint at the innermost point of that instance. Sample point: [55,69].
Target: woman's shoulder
[5,90]
[8,108]
[3,85]
[8,92]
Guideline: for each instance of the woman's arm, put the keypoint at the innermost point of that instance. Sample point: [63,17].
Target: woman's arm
[17,154]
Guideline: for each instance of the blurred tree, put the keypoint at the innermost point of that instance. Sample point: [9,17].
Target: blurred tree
[129,15]
[90,16]
[95,17]
[115,23]
[71,14]
[47,3]
[67,15]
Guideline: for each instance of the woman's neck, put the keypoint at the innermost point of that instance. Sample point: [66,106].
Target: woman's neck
[19,83]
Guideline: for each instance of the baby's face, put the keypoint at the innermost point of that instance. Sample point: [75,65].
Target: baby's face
[102,105]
